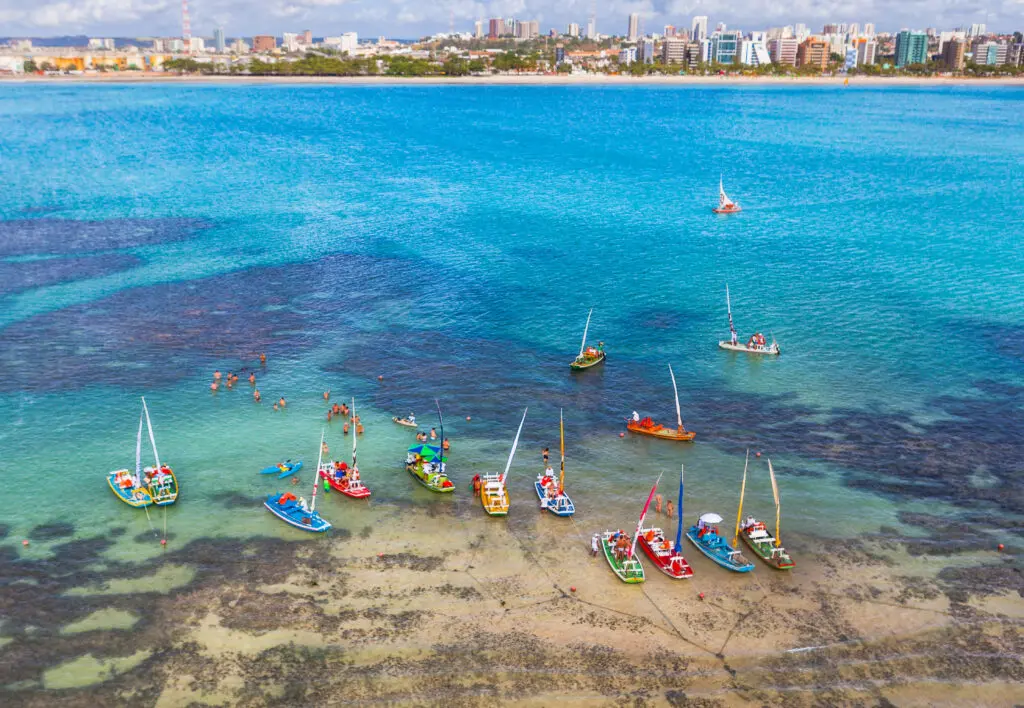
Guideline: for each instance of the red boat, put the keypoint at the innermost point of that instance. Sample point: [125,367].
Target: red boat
[725,205]
[659,550]
[344,479]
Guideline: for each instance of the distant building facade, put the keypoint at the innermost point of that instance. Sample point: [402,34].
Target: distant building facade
[725,47]
[699,28]
[633,31]
[264,43]
[813,52]
[783,50]
[911,48]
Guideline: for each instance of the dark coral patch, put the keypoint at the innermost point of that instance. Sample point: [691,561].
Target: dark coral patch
[17,276]
[41,236]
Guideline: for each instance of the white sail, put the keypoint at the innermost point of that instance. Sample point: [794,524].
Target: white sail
[778,507]
[679,415]
[515,444]
[723,198]
[316,475]
[152,440]
[583,345]
[355,433]
[728,307]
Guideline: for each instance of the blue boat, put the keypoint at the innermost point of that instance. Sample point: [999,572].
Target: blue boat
[704,535]
[289,509]
[283,469]
[551,492]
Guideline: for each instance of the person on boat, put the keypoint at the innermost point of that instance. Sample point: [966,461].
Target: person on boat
[636,417]
[600,347]
[353,473]
[622,546]
[412,419]
[433,434]
[256,395]
[302,504]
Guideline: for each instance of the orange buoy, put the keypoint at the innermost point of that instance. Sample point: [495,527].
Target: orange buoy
[468,418]
[380,555]
[757,454]
[380,378]
[622,435]
[572,589]
[25,542]
[701,596]
[1000,547]
[163,541]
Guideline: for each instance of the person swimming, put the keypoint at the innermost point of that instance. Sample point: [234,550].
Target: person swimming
[252,378]
[433,434]
[256,396]
[282,402]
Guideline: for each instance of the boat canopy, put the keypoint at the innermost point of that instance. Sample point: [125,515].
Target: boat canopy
[427,452]
[711,519]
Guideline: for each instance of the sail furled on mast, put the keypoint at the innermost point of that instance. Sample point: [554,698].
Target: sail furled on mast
[739,509]
[583,344]
[679,531]
[561,437]
[778,508]
[643,515]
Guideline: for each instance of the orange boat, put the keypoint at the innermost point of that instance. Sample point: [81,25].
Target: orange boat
[725,205]
[646,426]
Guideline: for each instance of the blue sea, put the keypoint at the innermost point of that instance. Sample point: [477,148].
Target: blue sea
[403,245]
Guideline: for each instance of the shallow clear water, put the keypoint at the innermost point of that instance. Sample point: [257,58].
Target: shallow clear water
[452,239]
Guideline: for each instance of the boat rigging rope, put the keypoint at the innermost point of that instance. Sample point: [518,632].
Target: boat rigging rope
[151,527]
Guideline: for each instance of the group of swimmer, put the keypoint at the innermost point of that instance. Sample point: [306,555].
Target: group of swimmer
[342,411]
[233,378]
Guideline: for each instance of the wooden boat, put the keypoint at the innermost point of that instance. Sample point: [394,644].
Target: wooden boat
[553,497]
[152,485]
[404,421]
[757,344]
[646,426]
[428,465]
[666,556]
[705,536]
[620,550]
[494,487]
[295,512]
[764,545]
[725,205]
[343,478]
[588,356]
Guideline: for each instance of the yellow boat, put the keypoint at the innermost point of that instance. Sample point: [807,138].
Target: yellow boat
[494,487]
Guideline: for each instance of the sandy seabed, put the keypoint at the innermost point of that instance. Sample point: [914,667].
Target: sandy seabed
[444,605]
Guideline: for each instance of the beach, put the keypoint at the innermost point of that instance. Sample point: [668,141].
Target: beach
[409,249]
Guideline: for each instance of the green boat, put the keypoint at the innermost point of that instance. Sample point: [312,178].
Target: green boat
[427,466]
[762,542]
[628,569]
[588,356]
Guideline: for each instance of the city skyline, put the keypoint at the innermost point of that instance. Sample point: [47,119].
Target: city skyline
[408,19]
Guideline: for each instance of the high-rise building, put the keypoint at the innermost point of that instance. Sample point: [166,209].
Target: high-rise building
[953,54]
[289,41]
[1015,56]
[783,50]
[645,51]
[669,31]
[869,29]
[911,48]
[673,50]
[830,28]
[264,43]
[627,55]
[573,30]
[853,30]
[753,51]
[866,50]
[496,28]
[239,46]
[306,37]
[976,30]
[102,44]
[699,28]
[800,31]
[725,47]
[634,27]
[559,54]
[218,40]
[478,29]
[991,53]
[592,28]
[813,51]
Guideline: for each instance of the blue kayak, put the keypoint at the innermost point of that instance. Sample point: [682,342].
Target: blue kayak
[283,469]
[289,510]
[718,549]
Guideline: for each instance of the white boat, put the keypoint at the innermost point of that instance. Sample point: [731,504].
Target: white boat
[725,205]
[757,344]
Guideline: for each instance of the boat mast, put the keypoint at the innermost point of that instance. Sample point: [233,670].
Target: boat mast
[775,491]
[355,435]
[515,444]
[728,307]
[739,510]
[679,531]
[152,440]
[138,454]
[643,514]
[561,437]
[583,345]
[316,477]
[440,422]
[679,416]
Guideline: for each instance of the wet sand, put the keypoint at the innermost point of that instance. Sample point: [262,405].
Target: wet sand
[445,605]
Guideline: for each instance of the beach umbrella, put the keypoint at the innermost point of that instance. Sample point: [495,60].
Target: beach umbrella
[711,519]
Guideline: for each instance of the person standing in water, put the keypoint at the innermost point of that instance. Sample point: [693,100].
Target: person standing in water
[546,454]
[281,402]
[256,395]
[433,434]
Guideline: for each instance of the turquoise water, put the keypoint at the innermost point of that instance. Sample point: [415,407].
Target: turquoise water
[452,240]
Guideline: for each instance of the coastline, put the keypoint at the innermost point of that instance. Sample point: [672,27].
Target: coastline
[520,80]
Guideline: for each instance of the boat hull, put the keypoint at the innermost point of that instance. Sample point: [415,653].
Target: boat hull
[295,516]
[360,492]
[169,494]
[436,486]
[727,210]
[661,432]
[763,549]
[561,505]
[772,350]
[135,498]
[587,363]
[495,504]
[402,422]
[629,570]
[673,565]
[718,554]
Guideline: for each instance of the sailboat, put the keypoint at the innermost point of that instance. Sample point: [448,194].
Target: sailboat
[152,485]
[755,345]
[343,478]
[646,426]
[294,511]
[494,487]
[725,205]
[588,356]
[620,550]
[705,536]
[428,465]
[553,497]
[665,555]
[766,546]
